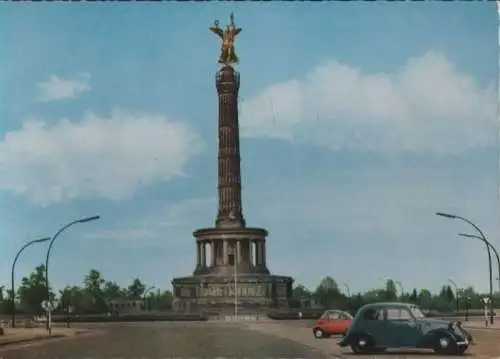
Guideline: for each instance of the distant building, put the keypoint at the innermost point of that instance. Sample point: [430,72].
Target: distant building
[126,306]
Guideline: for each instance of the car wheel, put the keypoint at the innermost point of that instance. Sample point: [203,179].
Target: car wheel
[445,345]
[362,345]
[319,333]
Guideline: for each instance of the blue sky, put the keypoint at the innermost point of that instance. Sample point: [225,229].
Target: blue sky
[358,120]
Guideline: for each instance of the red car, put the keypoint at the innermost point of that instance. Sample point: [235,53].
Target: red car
[332,322]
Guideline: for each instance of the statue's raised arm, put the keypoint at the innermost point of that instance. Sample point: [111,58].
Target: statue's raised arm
[236,30]
[216,29]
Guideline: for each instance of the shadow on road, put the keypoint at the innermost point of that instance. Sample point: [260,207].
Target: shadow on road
[405,353]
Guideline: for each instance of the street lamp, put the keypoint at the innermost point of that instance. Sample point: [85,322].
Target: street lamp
[236,284]
[13,295]
[347,289]
[348,292]
[401,288]
[490,246]
[456,293]
[62,229]
[483,239]
[149,289]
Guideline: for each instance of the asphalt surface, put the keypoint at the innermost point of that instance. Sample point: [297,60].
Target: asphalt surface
[217,340]
[167,340]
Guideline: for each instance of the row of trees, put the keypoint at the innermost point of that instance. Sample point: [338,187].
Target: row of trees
[95,294]
[92,297]
[328,294]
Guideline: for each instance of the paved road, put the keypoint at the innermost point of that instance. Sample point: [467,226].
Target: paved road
[216,340]
[168,340]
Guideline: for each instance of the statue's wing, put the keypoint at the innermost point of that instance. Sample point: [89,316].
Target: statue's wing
[217,31]
[237,31]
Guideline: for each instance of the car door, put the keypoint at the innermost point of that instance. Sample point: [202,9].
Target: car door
[375,325]
[403,328]
[331,324]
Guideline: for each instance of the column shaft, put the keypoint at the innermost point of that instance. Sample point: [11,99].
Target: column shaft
[238,250]
[224,252]
[204,254]
[263,253]
[257,253]
[198,254]
[250,252]
[212,247]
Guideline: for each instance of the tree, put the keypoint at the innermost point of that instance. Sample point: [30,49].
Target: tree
[301,296]
[113,291]
[4,301]
[425,298]
[75,297]
[136,289]
[327,293]
[93,282]
[300,292]
[33,291]
[94,296]
[390,290]
[160,301]
[450,295]
[414,296]
[328,283]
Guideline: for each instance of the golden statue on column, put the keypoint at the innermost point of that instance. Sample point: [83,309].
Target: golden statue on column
[228,35]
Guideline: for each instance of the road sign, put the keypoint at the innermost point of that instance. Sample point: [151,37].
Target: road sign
[48,306]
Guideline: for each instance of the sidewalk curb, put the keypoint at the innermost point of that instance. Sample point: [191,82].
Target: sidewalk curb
[45,338]
[33,339]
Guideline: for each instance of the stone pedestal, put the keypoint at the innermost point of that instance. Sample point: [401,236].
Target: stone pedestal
[216,294]
[229,258]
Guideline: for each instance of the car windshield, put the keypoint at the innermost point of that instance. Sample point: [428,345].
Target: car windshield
[330,314]
[334,314]
[417,313]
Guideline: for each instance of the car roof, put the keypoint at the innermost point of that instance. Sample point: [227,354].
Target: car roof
[334,310]
[387,304]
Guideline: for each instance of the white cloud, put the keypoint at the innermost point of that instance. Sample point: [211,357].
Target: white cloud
[426,106]
[57,88]
[94,157]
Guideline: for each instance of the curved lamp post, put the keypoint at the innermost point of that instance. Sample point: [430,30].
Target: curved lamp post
[149,289]
[455,287]
[62,229]
[483,239]
[401,288]
[13,295]
[347,290]
[491,247]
